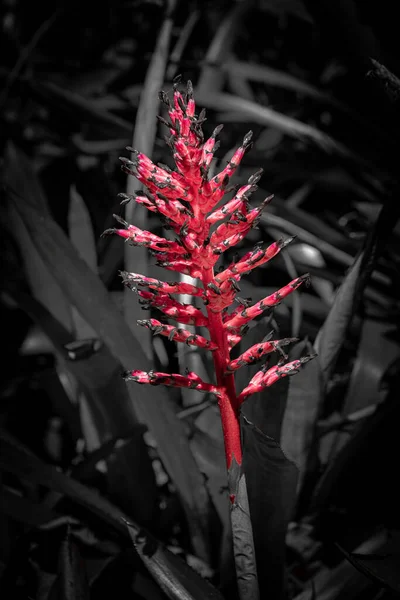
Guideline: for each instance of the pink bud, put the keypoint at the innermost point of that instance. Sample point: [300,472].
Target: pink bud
[257,351]
[191,381]
[250,313]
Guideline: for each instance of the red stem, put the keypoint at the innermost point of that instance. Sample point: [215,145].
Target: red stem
[228,403]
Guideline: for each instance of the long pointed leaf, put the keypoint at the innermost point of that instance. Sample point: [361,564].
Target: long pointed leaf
[17,459]
[302,408]
[85,290]
[21,180]
[143,140]
[271,483]
[267,116]
[332,334]
[175,577]
[178,580]
[73,581]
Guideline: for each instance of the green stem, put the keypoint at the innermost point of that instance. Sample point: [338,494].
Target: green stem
[242,532]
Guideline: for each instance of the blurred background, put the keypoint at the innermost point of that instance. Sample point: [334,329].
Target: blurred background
[318,84]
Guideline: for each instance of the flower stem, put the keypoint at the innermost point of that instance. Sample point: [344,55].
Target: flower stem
[242,531]
[228,403]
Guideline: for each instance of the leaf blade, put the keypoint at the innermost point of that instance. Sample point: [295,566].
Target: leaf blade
[175,577]
[85,290]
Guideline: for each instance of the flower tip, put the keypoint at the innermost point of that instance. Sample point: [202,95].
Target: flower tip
[108,232]
[306,359]
[217,130]
[176,80]
[189,89]
[255,178]
[164,98]
[128,376]
[287,341]
[306,279]
[121,220]
[125,198]
[126,161]
[247,139]
[282,243]
[143,322]
[267,200]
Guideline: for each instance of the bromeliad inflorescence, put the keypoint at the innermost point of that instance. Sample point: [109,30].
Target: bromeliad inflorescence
[188,202]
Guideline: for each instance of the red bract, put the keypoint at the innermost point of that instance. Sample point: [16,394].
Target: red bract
[187,200]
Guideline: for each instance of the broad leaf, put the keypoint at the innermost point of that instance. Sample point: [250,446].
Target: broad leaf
[81,235]
[174,576]
[23,185]
[376,352]
[267,116]
[24,510]
[80,107]
[72,582]
[343,581]
[85,290]
[271,483]
[302,408]
[178,580]
[17,459]
[136,260]
[382,567]
[331,336]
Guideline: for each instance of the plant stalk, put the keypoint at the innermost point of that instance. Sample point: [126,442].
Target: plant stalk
[242,532]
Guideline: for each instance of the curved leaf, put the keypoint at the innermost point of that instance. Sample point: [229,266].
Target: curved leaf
[302,407]
[343,581]
[85,290]
[383,567]
[21,181]
[17,459]
[72,582]
[143,139]
[267,116]
[174,576]
[271,482]
[376,352]
[331,336]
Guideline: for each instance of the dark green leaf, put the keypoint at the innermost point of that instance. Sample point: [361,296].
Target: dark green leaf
[267,116]
[271,483]
[242,534]
[80,107]
[85,290]
[331,336]
[132,481]
[143,140]
[174,576]
[24,510]
[368,456]
[23,185]
[73,581]
[17,459]
[302,408]
[343,581]
[382,567]
[207,445]
[375,353]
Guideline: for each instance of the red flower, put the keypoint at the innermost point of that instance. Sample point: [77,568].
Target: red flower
[187,201]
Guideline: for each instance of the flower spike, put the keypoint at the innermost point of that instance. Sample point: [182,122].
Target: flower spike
[202,226]
[185,199]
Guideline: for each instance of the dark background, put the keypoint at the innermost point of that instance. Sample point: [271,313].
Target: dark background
[318,83]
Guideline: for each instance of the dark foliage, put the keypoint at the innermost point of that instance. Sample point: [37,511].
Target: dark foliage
[89,464]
